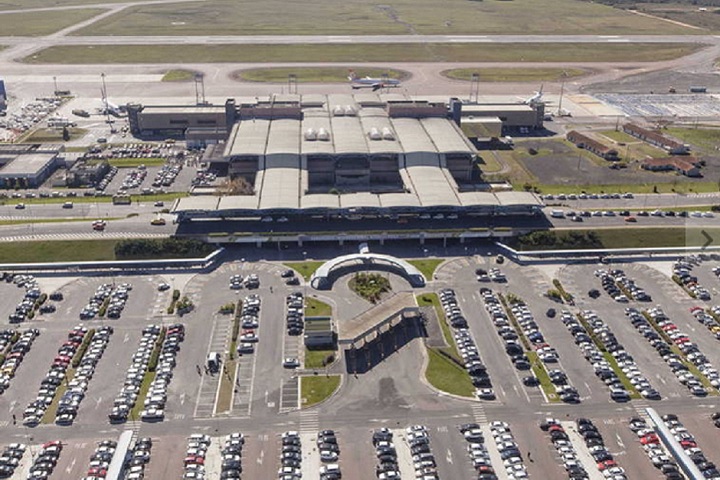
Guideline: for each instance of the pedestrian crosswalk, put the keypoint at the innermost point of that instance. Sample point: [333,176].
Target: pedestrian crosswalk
[640,409]
[479,414]
[82,236]
[309,422]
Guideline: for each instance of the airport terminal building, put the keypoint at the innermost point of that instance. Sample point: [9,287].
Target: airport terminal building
[351,156]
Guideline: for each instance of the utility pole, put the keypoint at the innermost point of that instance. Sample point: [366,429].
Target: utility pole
[562,91]
[105,99]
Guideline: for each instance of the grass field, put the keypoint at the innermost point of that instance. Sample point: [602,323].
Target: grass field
[179,75]
[662,187]
[314,74]
[9,5]
[516,74]
[619,136]
[427,266]
[704,139]
[53,135]
[136,162]
[59,251]
[315,358]
[638,236]
[306,269]
[224,400]
[356,52]
[447,376]
[315,389]
[317,308]
[353,17]
[35,24]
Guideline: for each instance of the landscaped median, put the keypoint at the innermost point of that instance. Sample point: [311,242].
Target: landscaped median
[427,266]
[632,391]
[148,377]
[306,269]
[445,370]
[317,388]
[538,367]
[681,355]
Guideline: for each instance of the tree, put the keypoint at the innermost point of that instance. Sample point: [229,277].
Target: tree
[65,134]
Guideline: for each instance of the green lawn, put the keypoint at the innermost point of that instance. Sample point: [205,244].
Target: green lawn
[427,266]
[538,369]
[432,300]
[358,52]
[392,17]
[35,24]
[317,308]
[315,74]
[179,75]
[447,376]
[53,135]
[314,358]
[506,75]
[704,139]
[82,199]
[136,162]
[619,136]
[57,251]
[51,411]
[315,389]
[142,393]
[224,401]
[638,237]
[306,269]
[681,186]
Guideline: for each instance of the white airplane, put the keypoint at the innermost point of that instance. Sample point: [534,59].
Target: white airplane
[369,82]
[536,98]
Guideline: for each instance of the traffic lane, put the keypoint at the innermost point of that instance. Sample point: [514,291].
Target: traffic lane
[269,350]
[625,448]
[450,450]
[136,224]
[578,280]
[80,209]
[166,456]
[109,376]
[261,455]
[11,296]
[538,452]
[356,452]
[701,426]
[642,221]
[74,460]
[26,383]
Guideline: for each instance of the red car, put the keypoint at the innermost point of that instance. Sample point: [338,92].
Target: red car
[54,443]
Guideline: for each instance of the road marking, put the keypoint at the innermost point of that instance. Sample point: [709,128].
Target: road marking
[260,457]
[619,441]
[449,456]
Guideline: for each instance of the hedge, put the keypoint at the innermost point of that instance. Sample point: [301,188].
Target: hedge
[155,356]
[83,348]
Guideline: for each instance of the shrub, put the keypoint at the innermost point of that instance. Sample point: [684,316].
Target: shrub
[328,359]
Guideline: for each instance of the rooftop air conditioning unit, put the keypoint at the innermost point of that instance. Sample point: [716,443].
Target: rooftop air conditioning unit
[311,135]
[323,135]
[388,134]
[350,111]
[374,134]
[338,111]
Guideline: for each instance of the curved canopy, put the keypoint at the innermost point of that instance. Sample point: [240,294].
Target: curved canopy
[321,277]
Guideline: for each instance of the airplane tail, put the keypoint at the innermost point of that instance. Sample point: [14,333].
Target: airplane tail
[352,75]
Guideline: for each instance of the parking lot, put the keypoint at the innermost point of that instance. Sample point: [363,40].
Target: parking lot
[388,391]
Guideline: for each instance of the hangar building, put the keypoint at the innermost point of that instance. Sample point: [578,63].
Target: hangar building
[27,165]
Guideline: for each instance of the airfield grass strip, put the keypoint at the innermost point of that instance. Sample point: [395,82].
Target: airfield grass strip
[359,52]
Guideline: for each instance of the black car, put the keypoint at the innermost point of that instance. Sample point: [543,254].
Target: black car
[531,381]
[287,273]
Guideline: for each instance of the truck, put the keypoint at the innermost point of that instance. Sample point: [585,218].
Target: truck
[81,113]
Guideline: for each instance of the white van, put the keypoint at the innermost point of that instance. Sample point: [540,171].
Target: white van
[213,361]
[557,214]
